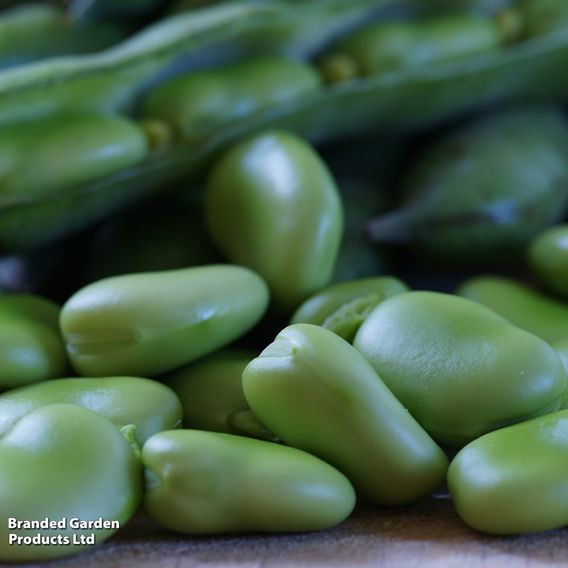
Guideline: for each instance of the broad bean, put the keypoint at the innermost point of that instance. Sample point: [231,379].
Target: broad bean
[272,205]
[150,323]
[198,103]
[391,46]
[317,393]
[31,346]
[343,307]
[208,482]
[514,480]
[63,462]
[148,405]
[44,156]
[522,306]
[459,368]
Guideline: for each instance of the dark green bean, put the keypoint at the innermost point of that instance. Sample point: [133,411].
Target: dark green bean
[392,46]
[42,157]
[198,103]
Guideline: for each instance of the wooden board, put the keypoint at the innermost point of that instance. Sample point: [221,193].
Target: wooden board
[429,534]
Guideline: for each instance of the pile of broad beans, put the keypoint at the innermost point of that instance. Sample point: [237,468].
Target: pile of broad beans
[262,259]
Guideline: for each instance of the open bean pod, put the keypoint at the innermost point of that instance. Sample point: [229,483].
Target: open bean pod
[112,80]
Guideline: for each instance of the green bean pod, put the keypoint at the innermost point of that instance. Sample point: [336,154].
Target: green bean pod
[207,483]
[459,368]
[272,205]
[482,192]
[42,157]
[513,481]
[522,306]
[64,462]
[316,392]
[392,46]
[31,347]
[111,81]
[199,103]
[148,405]
[150,323]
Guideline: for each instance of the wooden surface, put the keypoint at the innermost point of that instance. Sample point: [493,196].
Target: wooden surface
[429,534]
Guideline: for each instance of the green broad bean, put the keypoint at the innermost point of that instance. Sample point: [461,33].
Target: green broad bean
[148,405]
[198,103]
[42,157]
[512,174]
[346,321]
[548,258]
[212,397]
[272,205]
[317,393]
[343,307]
[522,306]
[459,368]
[150,323]
[208,482]
[29,353]
[392,46]
[513,481]
[63,462]
[31,347]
